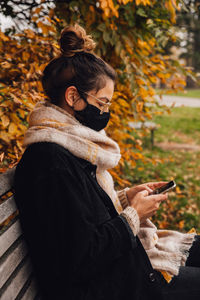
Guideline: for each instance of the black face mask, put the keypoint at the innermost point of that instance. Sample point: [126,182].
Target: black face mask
[90,116]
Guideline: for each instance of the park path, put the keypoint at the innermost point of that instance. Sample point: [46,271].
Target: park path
[179,101]
[177,146]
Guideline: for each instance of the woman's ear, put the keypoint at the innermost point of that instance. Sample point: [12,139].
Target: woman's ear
[71,95]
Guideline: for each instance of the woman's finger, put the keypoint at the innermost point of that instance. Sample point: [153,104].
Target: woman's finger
[148,189]
[144,192]
[158,197]
[154,185]
[142,187]
[161,197]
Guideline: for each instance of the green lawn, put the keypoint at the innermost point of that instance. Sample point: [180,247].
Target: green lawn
[181,126]
[182,210]
[186,93]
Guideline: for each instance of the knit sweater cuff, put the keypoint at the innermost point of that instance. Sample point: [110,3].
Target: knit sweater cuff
[123,198]
[132,218]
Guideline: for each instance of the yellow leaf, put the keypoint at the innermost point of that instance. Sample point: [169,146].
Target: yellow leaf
[143,2]
[166,275]
[16,99]
[37,10]
[11,155]
[192,230]
[30,34]
[6,65]
[126,1]
[139,106]
[178,191]
[169,5]
[107,12]
[22,113]
[56,45]
[45,29]
[19,144]
[22,127]
[140,169]
[123,103]
[143,93]
[5,137]
[34,18]
[5,121]
[3,37]
[137,155]
[12,129]
[14,118]
[153,79]
[104,4]
[25,55]
[58,20]
[181,224]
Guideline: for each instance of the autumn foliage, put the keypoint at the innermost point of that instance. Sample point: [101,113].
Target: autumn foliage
[130,35]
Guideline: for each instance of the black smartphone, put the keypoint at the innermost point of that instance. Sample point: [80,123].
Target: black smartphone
[164,188]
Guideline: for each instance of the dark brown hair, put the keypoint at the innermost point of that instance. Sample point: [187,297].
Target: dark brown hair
[77,65]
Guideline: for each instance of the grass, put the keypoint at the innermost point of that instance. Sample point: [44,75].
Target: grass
[182,210]
[194,93]
[181,126]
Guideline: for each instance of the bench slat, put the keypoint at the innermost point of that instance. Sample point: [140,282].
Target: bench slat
[9,263]
[18,282]
[16,277]
[7,208]
[6,181]
[31,291]
[10,236]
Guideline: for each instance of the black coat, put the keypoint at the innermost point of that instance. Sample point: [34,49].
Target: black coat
[80,247]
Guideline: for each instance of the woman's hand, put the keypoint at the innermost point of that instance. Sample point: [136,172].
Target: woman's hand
[149,186]
[145,205]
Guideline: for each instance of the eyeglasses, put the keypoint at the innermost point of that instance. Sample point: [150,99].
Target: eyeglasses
[105,105]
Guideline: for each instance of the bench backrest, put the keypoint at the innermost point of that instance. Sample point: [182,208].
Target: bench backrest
[16,274]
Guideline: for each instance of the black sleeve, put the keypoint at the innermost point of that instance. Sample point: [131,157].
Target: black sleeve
[64,216]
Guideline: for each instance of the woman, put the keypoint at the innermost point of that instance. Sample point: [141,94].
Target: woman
[86,240]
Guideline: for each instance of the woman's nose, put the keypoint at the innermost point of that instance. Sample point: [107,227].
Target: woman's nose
[105,109]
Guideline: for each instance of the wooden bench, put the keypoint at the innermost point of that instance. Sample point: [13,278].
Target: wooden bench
[16,274]
[150,125]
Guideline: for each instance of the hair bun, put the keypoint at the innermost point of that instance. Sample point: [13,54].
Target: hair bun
[74,39]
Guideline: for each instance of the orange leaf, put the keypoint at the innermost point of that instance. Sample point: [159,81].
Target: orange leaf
[5,120]
[16,99]
[12,128]
[181,224]
[3,37]
[37,10]
[25,55]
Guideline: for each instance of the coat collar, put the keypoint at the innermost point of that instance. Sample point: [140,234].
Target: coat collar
[85,164]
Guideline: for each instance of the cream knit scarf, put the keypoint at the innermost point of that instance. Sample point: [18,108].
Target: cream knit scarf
[167,249]
[50,123]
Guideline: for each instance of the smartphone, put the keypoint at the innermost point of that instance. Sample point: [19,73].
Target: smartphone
[164,188]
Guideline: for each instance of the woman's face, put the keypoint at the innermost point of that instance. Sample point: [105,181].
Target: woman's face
[105,94]
[74,100]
